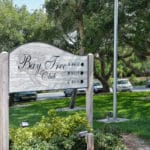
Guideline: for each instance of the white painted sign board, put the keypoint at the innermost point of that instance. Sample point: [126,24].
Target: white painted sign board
[38,66]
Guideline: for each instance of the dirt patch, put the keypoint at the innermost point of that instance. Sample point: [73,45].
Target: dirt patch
[133,142]
[145,98]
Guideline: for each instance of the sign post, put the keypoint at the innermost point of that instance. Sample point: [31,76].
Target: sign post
[4,105]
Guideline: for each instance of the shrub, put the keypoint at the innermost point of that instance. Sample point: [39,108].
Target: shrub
[52,132]
[55,133]
[107,141]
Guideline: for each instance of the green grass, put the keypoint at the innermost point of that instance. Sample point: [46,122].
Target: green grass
[129,105]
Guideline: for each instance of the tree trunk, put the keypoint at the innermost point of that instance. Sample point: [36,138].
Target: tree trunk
[81,33]
[104,75]
[73,98]
[105,85]
[81,52]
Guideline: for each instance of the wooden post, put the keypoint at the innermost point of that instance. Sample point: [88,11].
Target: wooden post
[90,141]
[89,92]
[4,104]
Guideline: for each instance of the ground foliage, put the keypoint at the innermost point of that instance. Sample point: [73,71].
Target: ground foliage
[54,132]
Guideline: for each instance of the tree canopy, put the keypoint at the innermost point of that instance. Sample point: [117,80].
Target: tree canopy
[19,26]
[84,26]
[96,17]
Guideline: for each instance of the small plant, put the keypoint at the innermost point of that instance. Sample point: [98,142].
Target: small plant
[107,141]
[111,129]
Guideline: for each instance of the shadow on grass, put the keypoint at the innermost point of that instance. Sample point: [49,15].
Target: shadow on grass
[34,111]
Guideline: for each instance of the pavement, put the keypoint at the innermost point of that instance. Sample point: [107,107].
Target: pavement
[53,95]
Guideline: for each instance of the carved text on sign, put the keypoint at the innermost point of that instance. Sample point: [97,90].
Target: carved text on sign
[49,69]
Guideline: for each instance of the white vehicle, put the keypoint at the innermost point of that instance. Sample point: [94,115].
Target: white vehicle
[124,85]
[97,87]
[68,92]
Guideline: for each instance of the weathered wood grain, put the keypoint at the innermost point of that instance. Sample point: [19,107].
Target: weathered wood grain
[38,66]
[4,119]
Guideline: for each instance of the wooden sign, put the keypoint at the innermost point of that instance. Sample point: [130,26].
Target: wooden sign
[38,66]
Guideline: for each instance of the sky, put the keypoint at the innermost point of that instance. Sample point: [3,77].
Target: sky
[31,4]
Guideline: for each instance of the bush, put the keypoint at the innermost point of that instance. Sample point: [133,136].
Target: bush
[108,138]
[107,141]
[52,132]
[55,133]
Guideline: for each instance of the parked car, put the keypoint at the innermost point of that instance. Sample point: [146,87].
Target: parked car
[124,85]
[81,91]
[68,92]
[97,87]
[23,96]
[148,84]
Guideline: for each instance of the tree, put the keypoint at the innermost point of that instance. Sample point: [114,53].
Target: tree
[134,34]
[68,16]
[136,23]
[97,29]
[19,26]
[133,21]
[9,26]
[99,40]
[97,26]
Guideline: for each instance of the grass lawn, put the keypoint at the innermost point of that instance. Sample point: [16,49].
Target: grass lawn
[134,106]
